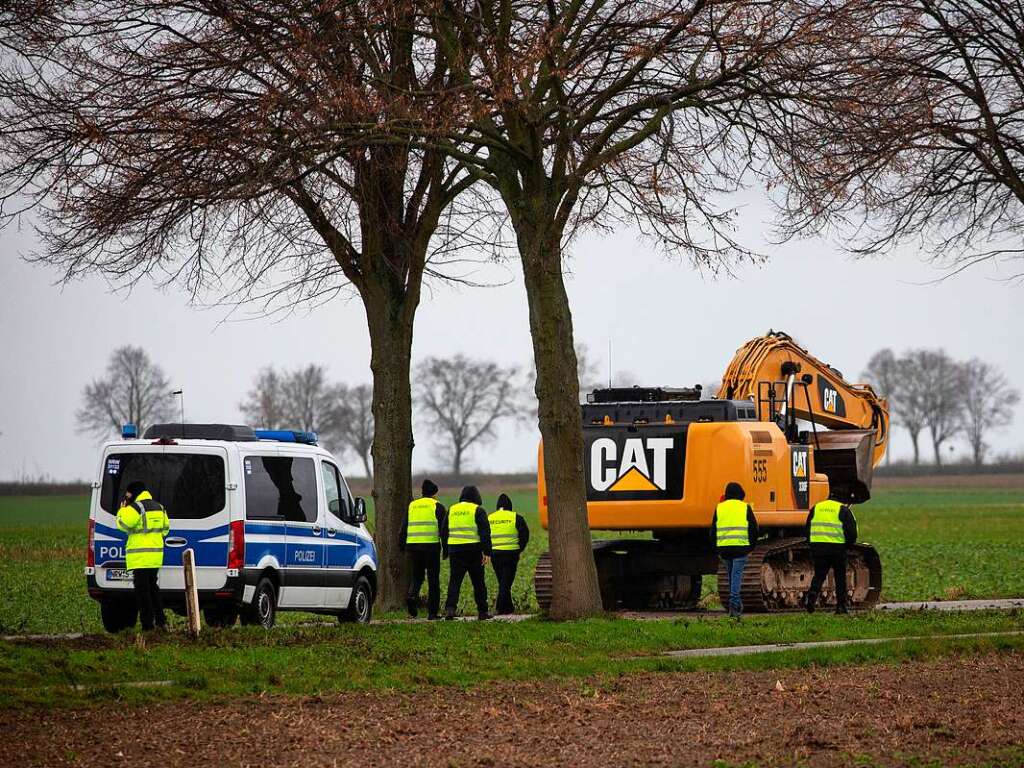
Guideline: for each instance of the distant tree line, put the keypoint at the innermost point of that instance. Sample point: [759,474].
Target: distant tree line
[459,402]
[929,390]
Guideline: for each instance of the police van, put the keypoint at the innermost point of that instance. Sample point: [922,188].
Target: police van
[267,513]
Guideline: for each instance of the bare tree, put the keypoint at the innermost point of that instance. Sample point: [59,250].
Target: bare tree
[223,146]
[309,400]
[133,390]
[937,151]
[941,385]
[463,400]
[353,421]
[883,373]
[989,401]
[604,113]
[264,405]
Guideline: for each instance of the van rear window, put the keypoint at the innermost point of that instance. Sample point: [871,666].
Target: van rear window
[189,485]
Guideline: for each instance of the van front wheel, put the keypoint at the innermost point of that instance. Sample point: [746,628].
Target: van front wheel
[118,615]
[360,605]
[262,611]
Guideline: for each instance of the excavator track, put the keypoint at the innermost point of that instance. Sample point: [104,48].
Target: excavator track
[542,582]
[635,575]
[779,572]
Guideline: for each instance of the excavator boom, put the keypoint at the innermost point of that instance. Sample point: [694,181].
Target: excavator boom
[773,370]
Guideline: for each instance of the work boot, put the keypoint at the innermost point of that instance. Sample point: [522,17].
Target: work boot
[842,609]
[433,617]
[410,605]
[449,614]
[809,600]
[483,616]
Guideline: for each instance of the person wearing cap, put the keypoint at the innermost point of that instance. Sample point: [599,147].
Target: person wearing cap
[420,539]
[733,532]
[147,525]
[466,541]
[509,536]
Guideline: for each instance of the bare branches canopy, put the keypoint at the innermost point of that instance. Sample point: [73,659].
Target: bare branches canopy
[133,390]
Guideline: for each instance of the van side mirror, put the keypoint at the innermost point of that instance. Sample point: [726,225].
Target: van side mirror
[334,505]
[359,512]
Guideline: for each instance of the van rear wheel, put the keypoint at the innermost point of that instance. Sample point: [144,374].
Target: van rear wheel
[118,615]
[262,611]
[360,605]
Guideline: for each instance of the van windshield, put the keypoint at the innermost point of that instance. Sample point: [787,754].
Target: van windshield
[189,485]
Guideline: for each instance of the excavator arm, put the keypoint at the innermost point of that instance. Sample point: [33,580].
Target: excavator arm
[788,383]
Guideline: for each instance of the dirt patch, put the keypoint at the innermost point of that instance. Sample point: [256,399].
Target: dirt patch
[953,710]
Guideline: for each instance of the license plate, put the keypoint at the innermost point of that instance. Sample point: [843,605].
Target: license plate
[118,574]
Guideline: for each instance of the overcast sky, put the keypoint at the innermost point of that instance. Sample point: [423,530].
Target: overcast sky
[666,322]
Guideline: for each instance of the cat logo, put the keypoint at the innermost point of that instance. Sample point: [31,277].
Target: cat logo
[801,470]
[622,465]
[800,464]
[831,402]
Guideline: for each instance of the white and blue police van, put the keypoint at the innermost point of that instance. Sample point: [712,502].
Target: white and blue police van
[268,514]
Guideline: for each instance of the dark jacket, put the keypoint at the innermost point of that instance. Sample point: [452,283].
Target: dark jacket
[752,534]
[849,527]
[440,513]
[505,503]
[523,530]
[483,529]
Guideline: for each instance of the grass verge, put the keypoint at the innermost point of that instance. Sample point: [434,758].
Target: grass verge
[323,660]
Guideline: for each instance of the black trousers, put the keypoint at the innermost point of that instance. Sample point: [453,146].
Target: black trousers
[426,563]
[466,560]
[828,557]
[147,598]
[505,564]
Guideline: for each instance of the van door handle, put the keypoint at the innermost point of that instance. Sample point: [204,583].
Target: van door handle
[175,541]
[316,530]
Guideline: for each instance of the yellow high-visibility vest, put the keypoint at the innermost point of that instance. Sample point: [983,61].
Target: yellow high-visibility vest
[462,524]
[147,525]
[422,528]
[826,527]
[504,535]
[731,529]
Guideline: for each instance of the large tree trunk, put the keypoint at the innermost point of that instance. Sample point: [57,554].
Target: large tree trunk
[937,447]
[390,356]
[917,448]
[575,586]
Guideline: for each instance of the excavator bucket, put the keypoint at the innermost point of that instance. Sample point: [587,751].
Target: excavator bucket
[846,456]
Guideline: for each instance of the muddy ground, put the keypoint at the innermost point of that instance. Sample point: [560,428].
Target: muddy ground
[955,711]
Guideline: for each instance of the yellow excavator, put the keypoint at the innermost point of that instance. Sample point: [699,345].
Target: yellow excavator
[785,425]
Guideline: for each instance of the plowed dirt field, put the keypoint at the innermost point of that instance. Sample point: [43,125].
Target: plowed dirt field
[955,711]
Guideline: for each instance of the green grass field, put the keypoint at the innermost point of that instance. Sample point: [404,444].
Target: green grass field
[934,544]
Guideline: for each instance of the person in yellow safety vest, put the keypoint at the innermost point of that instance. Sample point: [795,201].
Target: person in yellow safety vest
[420,538]
[509,536]
[734,532]
[466,540]
[830,528]
[146,523]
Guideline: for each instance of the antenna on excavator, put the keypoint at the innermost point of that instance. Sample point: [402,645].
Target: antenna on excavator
[609,363]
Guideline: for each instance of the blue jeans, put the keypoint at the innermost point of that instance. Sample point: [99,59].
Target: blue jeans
[734,567]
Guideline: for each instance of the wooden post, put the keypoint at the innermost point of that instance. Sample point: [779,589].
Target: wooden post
[188,562]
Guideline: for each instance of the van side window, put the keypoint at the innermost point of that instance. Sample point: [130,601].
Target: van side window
[280,488]
[337,499]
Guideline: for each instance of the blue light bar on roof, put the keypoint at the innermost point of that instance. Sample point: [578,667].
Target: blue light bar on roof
[286,436]
[129,432]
